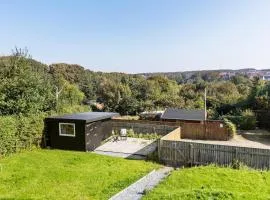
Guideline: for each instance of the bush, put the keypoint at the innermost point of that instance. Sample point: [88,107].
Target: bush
[66,109]
[236,164]
[29,130]
[148,136]
[8,137]
[245,121]
[130,133]
[20,132]
[248,120]
[230,127]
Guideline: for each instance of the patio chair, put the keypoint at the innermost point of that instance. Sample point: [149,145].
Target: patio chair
[123,134]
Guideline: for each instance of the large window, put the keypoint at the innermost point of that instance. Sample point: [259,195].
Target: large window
[67,129]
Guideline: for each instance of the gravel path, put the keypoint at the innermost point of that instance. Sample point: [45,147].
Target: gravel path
[239,140]
[148,182]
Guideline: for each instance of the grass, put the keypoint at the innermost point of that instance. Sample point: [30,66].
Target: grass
[213,183]
[55,174]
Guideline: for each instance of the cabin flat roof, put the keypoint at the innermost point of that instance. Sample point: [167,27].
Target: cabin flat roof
[87,116]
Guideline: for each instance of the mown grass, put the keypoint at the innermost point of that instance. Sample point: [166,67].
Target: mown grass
[55,174]
[213,183]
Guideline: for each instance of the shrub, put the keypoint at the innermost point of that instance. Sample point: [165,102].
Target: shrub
[8,137]
[29,129]
[66,109]
[129,117]
[230,127]
[245,121]
[130,133]
[236,164]
[248,120]
[20,132]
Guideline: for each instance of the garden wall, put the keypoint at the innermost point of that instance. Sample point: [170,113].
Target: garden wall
[143,127]
[209,130]
[174,135]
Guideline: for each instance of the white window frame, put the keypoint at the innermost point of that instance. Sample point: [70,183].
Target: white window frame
[74,132]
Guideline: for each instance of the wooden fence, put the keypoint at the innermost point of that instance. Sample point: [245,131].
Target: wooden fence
[209,130]
[180,153]
[214,130]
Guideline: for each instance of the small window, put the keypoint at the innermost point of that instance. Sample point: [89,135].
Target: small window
[67,129]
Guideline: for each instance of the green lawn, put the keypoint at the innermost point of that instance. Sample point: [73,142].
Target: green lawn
[55,174]
[213,183]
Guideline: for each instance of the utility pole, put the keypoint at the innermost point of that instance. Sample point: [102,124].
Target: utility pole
[205,109]
[205,112]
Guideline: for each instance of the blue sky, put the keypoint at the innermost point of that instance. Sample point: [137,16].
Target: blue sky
[140,35]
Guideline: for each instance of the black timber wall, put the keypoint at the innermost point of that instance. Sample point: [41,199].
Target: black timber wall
[96,132]
[56,141]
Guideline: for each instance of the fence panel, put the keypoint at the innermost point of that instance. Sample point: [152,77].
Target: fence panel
[179,153]
[204,131]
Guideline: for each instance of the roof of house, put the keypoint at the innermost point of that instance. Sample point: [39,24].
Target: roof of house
[87,116]
[183,114]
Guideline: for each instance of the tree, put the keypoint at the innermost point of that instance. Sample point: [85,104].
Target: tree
[24,89]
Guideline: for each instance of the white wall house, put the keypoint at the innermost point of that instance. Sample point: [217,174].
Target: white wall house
[266,78]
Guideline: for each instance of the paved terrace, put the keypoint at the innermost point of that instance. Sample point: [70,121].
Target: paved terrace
[130,148]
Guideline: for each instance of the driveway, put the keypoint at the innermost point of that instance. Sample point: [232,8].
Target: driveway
[255,139]
[134,148]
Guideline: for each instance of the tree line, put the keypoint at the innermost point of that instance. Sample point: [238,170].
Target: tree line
[30,91]
[29,86]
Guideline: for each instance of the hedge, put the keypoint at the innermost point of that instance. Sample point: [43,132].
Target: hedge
[245,121]
[25,131]
[20,132]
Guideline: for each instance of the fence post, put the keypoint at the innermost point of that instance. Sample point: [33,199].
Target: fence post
[235,154]
[191,154]
[158,142]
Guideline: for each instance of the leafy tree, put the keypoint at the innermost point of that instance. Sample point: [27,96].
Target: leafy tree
[23,89]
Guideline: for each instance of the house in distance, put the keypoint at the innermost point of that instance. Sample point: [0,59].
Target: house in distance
[82,131]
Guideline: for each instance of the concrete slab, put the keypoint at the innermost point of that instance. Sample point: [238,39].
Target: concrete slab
[136,148]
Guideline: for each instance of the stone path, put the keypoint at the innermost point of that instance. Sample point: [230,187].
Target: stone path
[148,182]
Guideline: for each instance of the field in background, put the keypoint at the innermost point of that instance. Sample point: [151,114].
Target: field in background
[55,174]
[213,183]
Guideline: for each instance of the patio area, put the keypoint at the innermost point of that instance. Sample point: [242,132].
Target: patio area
[133,148]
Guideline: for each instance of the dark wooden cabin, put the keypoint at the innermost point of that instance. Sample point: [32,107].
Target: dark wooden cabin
[82,131]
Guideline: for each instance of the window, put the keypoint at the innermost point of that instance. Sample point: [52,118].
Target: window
[67,129]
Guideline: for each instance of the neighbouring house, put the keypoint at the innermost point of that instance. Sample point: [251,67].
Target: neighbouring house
[266,78]
[82,131]
[183,115]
